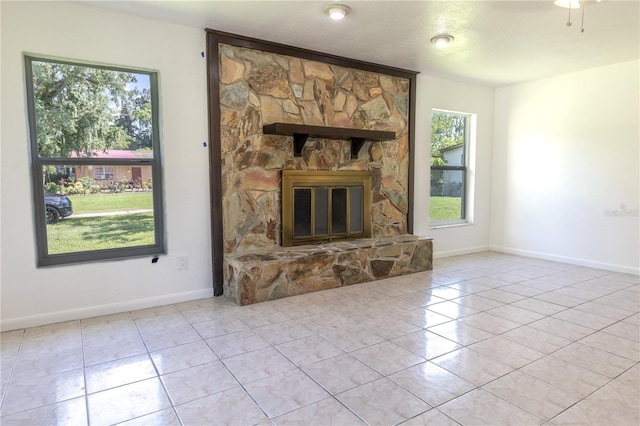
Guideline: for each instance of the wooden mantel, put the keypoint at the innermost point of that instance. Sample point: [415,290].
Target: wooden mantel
[301,132]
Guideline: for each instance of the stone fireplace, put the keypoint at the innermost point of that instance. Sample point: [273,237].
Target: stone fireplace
[310,171]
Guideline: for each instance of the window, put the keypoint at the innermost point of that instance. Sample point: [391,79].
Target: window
[103,173]
[449,162]
[96,166]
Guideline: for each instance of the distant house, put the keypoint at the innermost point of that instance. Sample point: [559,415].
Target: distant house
[452,185]
[105,175]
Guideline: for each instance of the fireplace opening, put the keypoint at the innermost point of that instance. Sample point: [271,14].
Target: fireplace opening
[322,206]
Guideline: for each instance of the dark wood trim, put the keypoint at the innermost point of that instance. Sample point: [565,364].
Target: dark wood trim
[214,38]
[286,129]
[215,165]
[412,145]
[356,146]
[301,132]
[298,52]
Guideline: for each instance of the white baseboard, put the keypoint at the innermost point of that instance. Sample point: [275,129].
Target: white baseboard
[458,252]
[570,260]
[111,308]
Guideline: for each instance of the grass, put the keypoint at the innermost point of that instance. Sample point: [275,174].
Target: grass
[95,203]
[445,208]
[100,232]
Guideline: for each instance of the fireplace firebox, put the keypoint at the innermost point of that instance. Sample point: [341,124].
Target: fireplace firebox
[325,206]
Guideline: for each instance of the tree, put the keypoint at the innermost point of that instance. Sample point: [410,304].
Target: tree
[135,118]
[76,108]
[446,130]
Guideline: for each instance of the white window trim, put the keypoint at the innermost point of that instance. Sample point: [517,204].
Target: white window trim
[105,172]
[469,181]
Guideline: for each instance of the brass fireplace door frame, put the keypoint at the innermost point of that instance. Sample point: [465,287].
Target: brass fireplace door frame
[331,179]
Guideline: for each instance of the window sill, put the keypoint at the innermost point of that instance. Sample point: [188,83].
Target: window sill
[452,224]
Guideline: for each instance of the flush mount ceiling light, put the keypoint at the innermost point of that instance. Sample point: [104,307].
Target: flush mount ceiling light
[442,41]
[337,11]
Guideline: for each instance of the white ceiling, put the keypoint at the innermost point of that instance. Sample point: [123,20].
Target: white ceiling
[496,43]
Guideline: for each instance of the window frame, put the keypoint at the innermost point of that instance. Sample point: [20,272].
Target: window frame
[464,209]
[37,164]
[105,173]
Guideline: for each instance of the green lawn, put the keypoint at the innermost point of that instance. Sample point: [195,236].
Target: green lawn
[111,202]
[445,208]
[101,232]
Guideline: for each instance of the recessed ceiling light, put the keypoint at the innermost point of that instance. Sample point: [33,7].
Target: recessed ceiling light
[337,11]
[442,41]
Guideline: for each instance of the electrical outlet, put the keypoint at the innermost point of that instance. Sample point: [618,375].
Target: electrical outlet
[183,262]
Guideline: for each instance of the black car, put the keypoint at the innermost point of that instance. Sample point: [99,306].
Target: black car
[58,206]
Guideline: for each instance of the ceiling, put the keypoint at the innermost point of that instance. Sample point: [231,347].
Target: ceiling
[497,43]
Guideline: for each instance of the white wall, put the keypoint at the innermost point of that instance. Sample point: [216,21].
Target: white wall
[33,295]
[444,94]
[566,151]
[566,154]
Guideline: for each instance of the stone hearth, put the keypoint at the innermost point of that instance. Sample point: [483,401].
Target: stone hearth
[258,276]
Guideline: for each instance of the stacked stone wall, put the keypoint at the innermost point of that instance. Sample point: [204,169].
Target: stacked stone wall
[258,88]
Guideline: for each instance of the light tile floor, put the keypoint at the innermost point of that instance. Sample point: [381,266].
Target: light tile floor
[483,339]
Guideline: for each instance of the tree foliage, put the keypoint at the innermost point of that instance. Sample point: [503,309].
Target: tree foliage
[447,130]
[79,109]
[135,118]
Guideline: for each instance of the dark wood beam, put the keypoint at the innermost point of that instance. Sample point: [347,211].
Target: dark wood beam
[301,132]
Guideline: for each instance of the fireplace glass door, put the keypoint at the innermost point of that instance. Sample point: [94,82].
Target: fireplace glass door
[325,206]
[328,212]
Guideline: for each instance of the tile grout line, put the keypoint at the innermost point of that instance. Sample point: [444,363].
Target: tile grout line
[84,374]
[253,329]
[11,372]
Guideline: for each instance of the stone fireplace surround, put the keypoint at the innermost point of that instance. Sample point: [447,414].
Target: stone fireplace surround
[253,83]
